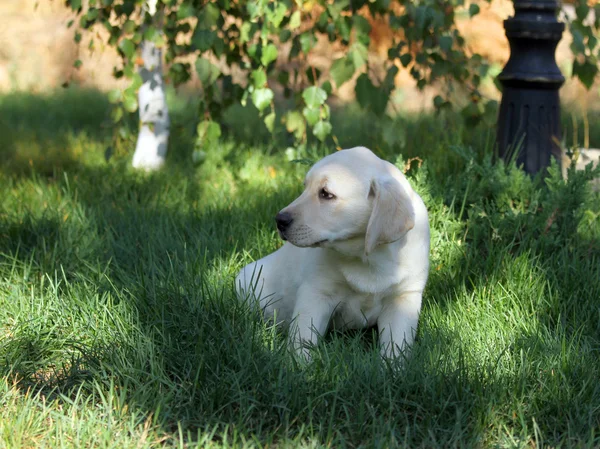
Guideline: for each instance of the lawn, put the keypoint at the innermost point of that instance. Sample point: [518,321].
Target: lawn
[119,327]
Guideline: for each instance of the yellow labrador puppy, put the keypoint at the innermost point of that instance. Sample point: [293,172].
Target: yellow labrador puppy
[357,254]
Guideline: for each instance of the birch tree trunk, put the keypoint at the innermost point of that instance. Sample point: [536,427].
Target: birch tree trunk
[153,137]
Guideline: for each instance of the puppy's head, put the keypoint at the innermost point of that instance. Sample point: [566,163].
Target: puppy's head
[349,195]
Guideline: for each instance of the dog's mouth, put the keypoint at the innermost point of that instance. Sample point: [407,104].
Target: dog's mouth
[309,245]
[301,244]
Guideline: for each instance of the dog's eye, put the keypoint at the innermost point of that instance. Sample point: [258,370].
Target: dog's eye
[325,195]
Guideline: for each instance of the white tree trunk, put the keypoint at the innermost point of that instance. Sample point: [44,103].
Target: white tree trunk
[153,137]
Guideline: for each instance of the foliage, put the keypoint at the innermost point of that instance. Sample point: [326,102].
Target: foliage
[250,37]
[269,42]
[585,46]
[226,37]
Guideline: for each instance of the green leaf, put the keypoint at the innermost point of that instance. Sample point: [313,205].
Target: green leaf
[116,114]
[127,47]
[203,39]
[159,40]
[365,90]
[445,43]
[259,78]
[246,32]
[322,129]
[269,54]
[422,14]
[130,102]
[390,76]
[92,14]
[255,9]
[285,35]
[129,27]
[327,87]
[314,96]
[582,10]
[438,101]
[127,8]
[307,41]
[375,98]
[295,20]
[294,123]
[473,9]
[129,70]
[209,16]
[277,14]
[208,133]
[77,63]
[578,45]
[124,132]
[75,4]
[151,34]
[312,115]
[179,73]
[207,71]
[343,27]
[342,70]
[359,54]
[136,82]
[198,157]
[136,38]
[361,24]
[335,8]
[115,95]
[218,46]
[322,21]
[405,59]
[262,98]
[270,121]
[586,71]
[253,51]
[185,10]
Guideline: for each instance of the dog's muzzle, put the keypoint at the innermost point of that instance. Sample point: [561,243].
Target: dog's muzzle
[283,220]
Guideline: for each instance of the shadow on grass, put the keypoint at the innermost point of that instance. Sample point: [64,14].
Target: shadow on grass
[181,344]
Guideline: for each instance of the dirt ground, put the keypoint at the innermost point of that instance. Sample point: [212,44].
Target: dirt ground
[37,53]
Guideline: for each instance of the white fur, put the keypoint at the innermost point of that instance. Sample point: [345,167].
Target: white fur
[357,260]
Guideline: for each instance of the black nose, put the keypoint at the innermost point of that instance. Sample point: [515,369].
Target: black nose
[284,220]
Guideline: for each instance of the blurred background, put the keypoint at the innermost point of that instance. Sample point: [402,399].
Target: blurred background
[37,53]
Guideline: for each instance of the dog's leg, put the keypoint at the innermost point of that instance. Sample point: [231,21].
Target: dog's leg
[311,316]
[398,322]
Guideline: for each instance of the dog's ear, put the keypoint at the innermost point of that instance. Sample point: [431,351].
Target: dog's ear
[392,216]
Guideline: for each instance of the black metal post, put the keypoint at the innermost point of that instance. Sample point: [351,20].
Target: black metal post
[529,117]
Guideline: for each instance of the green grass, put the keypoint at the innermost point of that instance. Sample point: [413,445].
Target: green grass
[119,328]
